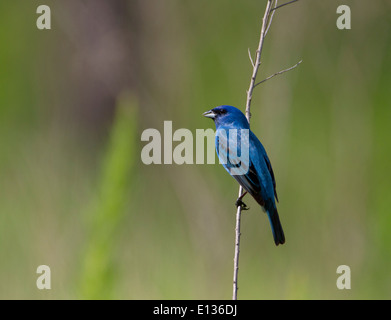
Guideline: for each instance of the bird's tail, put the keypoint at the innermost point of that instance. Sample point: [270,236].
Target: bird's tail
[278,233]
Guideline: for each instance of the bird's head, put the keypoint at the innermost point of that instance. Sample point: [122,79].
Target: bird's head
[227,115]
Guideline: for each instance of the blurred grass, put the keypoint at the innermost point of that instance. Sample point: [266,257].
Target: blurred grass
[99,274]
[112,227]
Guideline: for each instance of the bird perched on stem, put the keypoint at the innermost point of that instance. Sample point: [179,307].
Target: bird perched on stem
[245,159]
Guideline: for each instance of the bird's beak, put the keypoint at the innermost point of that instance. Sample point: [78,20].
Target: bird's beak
[209,114]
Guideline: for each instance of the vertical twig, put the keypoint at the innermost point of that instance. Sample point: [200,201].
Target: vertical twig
[256,65]
[271,6]
[237,246]
[257,62]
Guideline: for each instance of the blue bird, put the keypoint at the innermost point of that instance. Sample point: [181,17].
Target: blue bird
[254,173]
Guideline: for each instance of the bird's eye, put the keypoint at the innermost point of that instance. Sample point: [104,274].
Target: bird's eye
[223,111]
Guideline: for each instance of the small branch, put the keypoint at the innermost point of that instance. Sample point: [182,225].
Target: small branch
[258,58]
[251,59]
[271,18]
[280,72]
[284,4]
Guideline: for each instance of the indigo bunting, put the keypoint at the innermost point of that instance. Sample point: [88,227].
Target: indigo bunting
[239,149]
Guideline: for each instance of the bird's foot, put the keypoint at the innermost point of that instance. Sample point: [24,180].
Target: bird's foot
[241,204]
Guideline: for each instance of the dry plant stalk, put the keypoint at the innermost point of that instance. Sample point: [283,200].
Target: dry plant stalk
[271,8]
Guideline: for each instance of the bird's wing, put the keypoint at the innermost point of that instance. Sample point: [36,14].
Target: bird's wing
[262,156]
[269,167]
[250,180]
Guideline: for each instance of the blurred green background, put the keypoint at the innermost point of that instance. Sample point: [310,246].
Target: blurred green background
[74,194]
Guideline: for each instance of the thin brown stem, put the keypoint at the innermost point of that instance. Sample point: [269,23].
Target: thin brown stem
[256,65]
[279,72]
[271,6]
[237,247]
[284,4]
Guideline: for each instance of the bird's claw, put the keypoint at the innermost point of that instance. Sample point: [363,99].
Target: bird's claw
[241,204]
